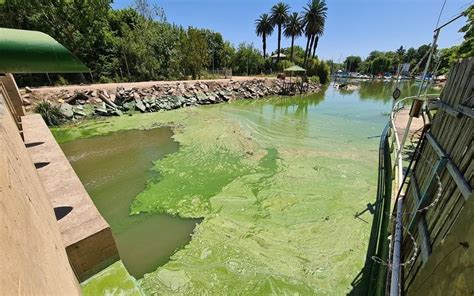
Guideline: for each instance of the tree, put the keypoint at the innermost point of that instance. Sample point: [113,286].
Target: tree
[215,44]
[195,53]
[400,53]
[318,33]
[248,60]
[293,28]
[445,57]
[352,63]
[410,56]
[227,55]
[315,14]
[422,55]
[318,68]
[381,64]
[298,54]
[264,28]
[78,25]
[467,47]
[279,15]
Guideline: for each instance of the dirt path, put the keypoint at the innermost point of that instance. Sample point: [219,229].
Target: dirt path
[401,121]
[142,84]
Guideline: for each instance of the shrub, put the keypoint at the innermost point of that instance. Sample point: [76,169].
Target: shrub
[314,79]
[62,81]
[323,72]
[320,69]
[50,113]
[104,79]
[283,64]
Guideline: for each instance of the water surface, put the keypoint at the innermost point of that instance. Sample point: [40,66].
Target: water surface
[277,180]
[114,169]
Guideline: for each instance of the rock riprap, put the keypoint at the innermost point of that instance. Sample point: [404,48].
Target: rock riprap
[81,103]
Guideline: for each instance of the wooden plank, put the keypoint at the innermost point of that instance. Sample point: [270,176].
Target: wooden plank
[425,244]
[425,196]
[13,93]
[8,103]
[450,141]
[448,109]
[458,177]
[465,110]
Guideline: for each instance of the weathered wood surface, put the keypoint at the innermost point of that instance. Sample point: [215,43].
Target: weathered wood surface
[448,208]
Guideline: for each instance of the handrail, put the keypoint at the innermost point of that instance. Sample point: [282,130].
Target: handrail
[373,276]
[398,160]
[397,240]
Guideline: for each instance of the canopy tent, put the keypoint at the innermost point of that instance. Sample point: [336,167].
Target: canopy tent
[296,85]
[24,51]
[274,56]
[295,68]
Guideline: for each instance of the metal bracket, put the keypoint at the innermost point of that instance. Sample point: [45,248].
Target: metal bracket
[457,176]
[422,225]
[425,195]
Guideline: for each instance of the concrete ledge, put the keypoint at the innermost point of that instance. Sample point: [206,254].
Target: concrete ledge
[87,236]
[33,259]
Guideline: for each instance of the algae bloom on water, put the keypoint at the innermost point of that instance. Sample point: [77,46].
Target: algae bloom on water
[277,183]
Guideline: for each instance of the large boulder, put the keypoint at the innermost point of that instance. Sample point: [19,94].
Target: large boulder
[66,110]
[140,106]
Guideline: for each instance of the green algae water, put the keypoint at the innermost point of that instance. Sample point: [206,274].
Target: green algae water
[115,168]
[277,182]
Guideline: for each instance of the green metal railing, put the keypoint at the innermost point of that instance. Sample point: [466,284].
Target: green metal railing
[374,273]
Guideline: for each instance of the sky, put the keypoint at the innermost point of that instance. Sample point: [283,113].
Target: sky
[353,27]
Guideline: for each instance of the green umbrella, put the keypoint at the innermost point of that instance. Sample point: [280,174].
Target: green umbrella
[295,69]
[24,51]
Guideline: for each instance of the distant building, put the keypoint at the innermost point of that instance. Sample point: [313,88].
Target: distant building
[275,57]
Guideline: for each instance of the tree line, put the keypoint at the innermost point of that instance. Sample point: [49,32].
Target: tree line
[131,44]
[379,62]
[310,23]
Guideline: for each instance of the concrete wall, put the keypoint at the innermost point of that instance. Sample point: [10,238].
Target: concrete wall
[86,235]
[33,259]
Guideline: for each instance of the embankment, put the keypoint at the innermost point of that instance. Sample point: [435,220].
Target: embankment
[79,102]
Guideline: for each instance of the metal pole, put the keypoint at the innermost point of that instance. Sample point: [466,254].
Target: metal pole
[420,90]
[395,286]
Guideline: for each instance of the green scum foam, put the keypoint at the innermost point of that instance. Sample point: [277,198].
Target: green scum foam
[277,182]
[114,280]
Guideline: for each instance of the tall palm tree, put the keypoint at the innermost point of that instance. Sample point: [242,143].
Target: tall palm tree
[293,28]
[264,28]
[279,15]
[315,14]
[318,33]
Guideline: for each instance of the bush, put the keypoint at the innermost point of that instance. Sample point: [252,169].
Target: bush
[319,69]
[51,114]
[104,79]
[283,64]
[62,81]
[323,72]
[314,79]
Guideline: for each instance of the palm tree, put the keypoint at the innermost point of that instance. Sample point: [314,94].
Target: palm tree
[315,14]
[264,28]
[279,15]
[293,28]
[318,33]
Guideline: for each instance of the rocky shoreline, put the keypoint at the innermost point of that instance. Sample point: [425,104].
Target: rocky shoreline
[79,104]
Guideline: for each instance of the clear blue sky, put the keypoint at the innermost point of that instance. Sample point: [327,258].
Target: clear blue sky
[353,27]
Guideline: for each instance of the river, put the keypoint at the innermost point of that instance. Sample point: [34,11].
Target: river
[272,184]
